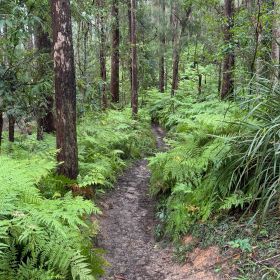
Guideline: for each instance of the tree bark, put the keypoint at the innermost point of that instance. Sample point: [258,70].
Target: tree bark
[102,53]
[12,121]
[175,74]
[65,89]
[46,119]
[162,48]
[275,48]
[199,88]
[129,39]
[115,59]
[177,44]
[40,132]
[1,127]
[220,78]
[134,78]
[227,88]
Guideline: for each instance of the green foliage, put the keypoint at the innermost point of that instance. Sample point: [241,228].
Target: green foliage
[220,159]
[42,238]
[104,146]
[187,173]
[44,232]
[242,244]
[254,161]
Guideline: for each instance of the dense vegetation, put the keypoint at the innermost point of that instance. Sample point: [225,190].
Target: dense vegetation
[43,234]
[207,72]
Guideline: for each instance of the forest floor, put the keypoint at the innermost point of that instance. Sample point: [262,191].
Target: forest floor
[127,233]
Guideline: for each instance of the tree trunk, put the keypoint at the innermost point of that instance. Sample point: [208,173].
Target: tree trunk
[102,54]
[177,44]
[46,119]
[220,78]
[40,132]
[175,74]
[65,89]
[129,40]
[1,127]
[162,48]
[134,79]
[229,60]
[275,49]
[199,88]
[161,73]
[11,128]
[85,64]
[115,59]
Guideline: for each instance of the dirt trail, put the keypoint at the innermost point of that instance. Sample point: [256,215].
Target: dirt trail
[127,227]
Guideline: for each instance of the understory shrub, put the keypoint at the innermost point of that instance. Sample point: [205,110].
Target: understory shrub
[45,232]
[106,140]
[186,174]
[220,159]
[42,238]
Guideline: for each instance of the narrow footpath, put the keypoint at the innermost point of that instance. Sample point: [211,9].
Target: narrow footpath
[127,227]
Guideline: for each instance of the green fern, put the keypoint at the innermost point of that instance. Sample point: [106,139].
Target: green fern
[187,173]
[40,238]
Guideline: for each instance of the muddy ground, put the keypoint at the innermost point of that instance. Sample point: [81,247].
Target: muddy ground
[127,233]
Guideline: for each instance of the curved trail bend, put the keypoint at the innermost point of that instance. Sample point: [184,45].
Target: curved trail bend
[127,227]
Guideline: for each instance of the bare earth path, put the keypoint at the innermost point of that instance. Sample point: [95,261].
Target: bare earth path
[127,227]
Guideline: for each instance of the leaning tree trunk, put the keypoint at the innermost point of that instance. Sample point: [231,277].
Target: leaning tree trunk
[115,59]
[227,88]
[65,89]
[134,78]
[45,121]
[102,54]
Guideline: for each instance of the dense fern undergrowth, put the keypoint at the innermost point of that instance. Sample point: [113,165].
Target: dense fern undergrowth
[46,232]
[223,158]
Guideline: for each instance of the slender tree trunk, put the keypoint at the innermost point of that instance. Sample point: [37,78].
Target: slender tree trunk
[134,78]
[40,131]
[162,47]
[102,54]
[1,127]
[220,78]
[129,39]
[252,66]
[85,62]
[46,121]
[275,48]
[199,88]
[65,89]
[227,88]
[166,75]
[161,73]
[12,122]
[175,74]
[115,59]
[177,44]
[78,47]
